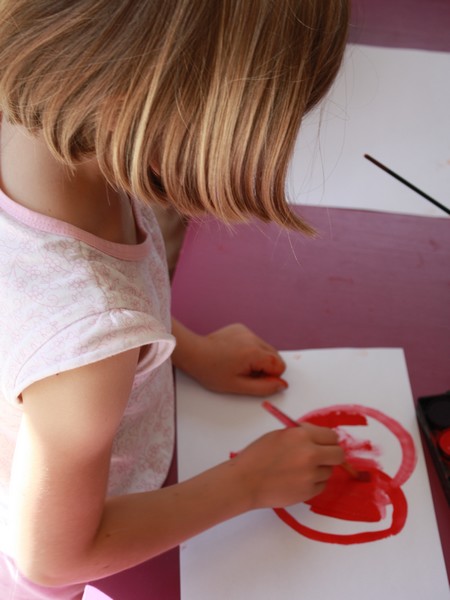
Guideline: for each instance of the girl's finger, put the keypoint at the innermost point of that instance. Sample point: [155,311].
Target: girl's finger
[323,474]
[321,435]
[260,386]
[319,488]
[331,455]
[269,363]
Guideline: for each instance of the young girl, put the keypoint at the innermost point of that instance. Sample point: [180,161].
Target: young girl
[107,107]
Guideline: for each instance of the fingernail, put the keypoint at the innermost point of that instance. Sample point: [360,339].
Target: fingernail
[283,384]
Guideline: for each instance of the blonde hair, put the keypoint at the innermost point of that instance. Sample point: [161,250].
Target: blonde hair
[192,103]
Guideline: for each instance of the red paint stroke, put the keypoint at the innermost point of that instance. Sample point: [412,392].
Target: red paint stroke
[350,500]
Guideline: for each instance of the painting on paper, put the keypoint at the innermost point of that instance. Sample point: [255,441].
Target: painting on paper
[357,539]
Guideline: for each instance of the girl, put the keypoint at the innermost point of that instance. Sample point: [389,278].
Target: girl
[109,106]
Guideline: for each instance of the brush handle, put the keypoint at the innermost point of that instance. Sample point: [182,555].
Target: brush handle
[283,418]
[407,183]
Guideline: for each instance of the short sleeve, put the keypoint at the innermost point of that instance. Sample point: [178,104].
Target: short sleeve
[89,340]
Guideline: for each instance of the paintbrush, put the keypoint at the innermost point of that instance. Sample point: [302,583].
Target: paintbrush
[283,418]
[407,183]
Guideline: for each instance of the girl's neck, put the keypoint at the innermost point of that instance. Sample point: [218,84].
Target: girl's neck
[30,175]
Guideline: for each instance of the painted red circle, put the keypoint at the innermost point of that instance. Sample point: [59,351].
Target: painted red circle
[381,485]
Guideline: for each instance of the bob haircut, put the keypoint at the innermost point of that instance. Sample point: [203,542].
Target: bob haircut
[194,104]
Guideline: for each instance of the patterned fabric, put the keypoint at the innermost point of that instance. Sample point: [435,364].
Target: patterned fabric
[15,587]
[69,298]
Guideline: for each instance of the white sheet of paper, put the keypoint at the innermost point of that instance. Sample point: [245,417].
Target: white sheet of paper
[256,556]
[389,103]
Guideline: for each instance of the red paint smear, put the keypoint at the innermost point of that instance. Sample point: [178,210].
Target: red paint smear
[398,501]
[350,500]
[354,446]
[334,418]
[407,445]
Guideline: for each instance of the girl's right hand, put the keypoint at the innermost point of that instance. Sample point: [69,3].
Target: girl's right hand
[288,466]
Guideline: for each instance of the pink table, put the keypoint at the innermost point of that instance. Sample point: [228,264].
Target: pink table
[369,280]
[422,24]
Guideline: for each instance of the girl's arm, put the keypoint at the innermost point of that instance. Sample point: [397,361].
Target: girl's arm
[232,359]
[64,528]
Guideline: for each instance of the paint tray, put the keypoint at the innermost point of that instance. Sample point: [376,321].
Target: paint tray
[433,415]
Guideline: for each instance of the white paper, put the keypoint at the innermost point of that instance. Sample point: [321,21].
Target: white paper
[391,104]
[257,556]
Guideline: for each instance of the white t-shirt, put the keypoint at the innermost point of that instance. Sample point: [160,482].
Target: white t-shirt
[69,298]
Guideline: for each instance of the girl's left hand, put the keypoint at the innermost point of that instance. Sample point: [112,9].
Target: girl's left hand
[231,360]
